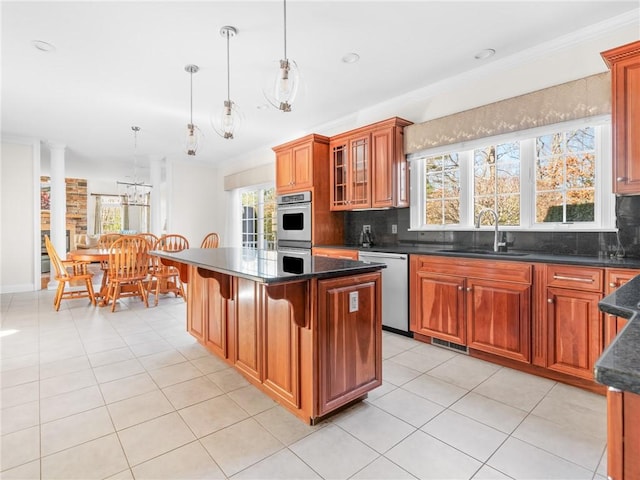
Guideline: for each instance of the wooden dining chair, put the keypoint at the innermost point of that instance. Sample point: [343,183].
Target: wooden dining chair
[128,269]
[106,239]
[164,278]
[69,272]
[149,237]
[210,241]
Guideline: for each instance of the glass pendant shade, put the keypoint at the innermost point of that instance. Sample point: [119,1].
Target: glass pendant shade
[284,88]
[192,140]
[193,136]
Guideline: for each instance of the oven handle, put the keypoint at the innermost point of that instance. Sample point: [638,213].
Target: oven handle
[294,206]
[296,251]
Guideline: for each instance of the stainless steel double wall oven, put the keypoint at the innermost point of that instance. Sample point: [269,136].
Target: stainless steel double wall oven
[294,231]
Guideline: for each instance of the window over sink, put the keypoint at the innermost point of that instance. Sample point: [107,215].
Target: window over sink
[550,178]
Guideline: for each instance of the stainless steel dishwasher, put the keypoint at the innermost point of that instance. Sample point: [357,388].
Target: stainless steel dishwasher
[395,289]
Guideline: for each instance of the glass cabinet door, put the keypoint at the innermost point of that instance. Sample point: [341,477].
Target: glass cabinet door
[359,172]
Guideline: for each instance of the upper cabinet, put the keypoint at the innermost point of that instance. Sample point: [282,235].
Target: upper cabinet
[369,168]
[624,63]
[295,162]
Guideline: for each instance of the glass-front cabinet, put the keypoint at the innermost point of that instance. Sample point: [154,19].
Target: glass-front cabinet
[350,172]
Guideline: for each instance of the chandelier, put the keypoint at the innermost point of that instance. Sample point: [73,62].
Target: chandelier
[230,117]
[136,192]
[282,91]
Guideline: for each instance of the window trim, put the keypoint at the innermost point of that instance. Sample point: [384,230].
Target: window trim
[604,214]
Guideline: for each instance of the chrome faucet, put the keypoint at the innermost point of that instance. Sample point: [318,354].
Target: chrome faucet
[496,244]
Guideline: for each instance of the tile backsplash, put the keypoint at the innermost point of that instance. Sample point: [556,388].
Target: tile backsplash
[566,243]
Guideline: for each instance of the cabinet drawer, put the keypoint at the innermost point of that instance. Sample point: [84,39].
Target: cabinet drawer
[578,278]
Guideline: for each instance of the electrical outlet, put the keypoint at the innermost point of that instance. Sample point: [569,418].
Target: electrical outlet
[366,228]
[394,228]
[353,302]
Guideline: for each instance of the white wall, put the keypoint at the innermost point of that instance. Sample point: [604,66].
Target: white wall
[19,215]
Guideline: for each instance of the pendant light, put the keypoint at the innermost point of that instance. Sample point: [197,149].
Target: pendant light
[136,192]
[282,92]
[229,117]
[193,132]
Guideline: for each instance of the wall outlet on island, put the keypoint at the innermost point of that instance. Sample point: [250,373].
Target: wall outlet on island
[394,228]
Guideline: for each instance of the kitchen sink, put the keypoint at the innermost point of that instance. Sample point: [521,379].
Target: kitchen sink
[478,251]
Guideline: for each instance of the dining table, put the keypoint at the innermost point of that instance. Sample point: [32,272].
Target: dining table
[94,255]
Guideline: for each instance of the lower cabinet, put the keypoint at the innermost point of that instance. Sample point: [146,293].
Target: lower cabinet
[350,349]
[623,435]
[574,322]
[483,304]
[614,279]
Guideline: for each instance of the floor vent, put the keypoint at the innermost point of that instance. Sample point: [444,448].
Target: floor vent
[450,345]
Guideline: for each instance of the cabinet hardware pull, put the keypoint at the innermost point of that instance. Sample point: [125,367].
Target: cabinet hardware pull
[613,284]
[469,289]
[621,179]
[549,300]
[460,287]
[573,279]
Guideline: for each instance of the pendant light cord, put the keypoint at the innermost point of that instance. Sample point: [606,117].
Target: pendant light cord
[285,29]
[228,74]
[191,98]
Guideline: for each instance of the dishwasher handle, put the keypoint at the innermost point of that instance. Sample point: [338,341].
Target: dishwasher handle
[395,256]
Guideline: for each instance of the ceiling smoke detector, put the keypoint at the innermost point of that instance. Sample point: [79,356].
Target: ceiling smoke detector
[484,54]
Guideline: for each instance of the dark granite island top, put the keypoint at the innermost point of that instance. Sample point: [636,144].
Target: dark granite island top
[265,266]
[619,365]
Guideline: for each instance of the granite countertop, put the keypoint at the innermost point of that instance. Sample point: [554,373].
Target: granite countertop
[512,255]
[267,266]
[619,365]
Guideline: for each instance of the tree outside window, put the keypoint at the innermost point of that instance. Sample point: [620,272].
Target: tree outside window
[496,182]
[565,176]
[442,190]
[259,218]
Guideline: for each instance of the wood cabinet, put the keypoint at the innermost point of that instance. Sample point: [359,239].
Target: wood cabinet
[335,253]
[574,322]
[295,163]
[624,63]
[485,305]
[623,435]
[303,165]
[614,279]
[312,345]
[350,351]
[369,168]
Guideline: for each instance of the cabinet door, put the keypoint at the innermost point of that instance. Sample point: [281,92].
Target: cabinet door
[625,110]
[284,171]
[359,172]
[382,168]
[196,304]
[349,338]
[437,308]
[615,278]
[248,351]
[281,342]
[574,331]
[499,318]
[339,198]
[216,333]
[302,156]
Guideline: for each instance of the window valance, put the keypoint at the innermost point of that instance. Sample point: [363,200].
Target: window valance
[586,97]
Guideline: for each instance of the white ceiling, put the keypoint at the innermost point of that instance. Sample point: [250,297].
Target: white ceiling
[119,64]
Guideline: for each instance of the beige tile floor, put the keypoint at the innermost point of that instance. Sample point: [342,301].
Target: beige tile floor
[87,393]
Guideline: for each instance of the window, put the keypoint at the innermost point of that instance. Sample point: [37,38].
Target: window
[259,218]
[442,190]
[555,177]
[566,176]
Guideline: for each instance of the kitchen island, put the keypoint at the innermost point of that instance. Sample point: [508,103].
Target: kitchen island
[306,332]
[619,369]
